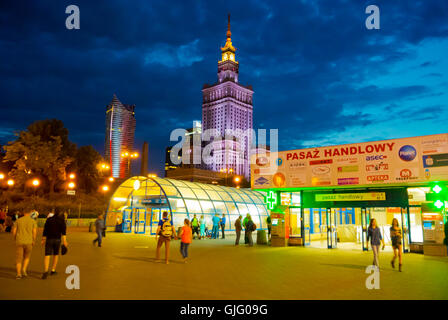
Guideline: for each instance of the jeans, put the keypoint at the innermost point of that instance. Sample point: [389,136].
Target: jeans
[376,254]
[223,226]
[238,234]
[202,230]
[184,249]
[215,232]
[195,230]
[249,238]
[99,238]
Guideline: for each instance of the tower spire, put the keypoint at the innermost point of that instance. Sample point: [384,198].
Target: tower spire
[229,33]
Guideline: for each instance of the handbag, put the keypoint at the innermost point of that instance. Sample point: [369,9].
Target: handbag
[64,250]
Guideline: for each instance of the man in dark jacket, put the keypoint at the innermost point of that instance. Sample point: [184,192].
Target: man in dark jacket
[54,233]
[238,229]
[99,225]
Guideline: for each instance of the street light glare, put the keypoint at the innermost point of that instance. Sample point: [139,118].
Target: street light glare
[105,188]
[10,182]
[72,176]
[36,182]
[2,176]
[71,185]
[111,179]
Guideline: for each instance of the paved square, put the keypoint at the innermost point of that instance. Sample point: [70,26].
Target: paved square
[124,268]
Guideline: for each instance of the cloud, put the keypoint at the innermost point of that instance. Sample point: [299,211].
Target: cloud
[174,57]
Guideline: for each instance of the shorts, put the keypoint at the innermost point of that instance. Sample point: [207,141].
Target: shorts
[162,240]
[23,251]
[52,247]
[396,241]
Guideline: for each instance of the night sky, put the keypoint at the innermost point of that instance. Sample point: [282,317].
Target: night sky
[318,74]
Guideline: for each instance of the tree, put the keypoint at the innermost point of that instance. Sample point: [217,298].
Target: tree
[86,163]
[33,156]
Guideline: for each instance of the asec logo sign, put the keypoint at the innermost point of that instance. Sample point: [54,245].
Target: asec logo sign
[407,153]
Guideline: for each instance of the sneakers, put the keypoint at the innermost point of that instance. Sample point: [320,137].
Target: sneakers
[18,277]
[45,275]
[25,274]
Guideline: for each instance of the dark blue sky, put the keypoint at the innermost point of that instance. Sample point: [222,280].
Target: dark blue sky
[318,74]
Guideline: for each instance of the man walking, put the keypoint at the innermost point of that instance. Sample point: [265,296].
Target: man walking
[99,226]
[215,230]
[269,223]
[24,232]
[54,233]
[165,231]
[195,227]
[223,225]
[249,229]
[246,219]
[238,230]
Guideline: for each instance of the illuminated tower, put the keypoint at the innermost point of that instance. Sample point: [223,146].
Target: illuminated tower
[120,129]
[227,105]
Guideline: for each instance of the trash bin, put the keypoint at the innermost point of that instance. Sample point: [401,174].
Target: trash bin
[261,237]
[92,227]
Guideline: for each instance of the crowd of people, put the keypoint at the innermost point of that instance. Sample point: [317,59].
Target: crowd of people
[24,230]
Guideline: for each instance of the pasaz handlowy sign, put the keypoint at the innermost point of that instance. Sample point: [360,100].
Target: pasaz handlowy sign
[369,196]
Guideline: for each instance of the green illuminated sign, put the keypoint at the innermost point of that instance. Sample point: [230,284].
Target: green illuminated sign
[271,199]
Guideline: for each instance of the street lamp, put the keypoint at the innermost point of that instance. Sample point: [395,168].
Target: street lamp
[105,188]
[10,182]
[71,185]
[35,183]
[2,176]
[129,156]
[111,179]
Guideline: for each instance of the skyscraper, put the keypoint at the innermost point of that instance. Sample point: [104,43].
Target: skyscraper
[120,129]
[227,105]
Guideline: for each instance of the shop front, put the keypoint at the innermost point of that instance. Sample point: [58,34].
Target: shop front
[328,196]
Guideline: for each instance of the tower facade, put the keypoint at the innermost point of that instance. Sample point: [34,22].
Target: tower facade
[227,108]
[120,129]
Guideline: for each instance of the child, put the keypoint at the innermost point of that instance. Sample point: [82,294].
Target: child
[185,239]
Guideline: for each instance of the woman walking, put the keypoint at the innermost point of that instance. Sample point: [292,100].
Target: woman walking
[395,236]
[185,239]
[374,235]
[202,227]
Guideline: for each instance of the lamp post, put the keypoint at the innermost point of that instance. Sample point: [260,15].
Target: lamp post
[227,171]
[129,156]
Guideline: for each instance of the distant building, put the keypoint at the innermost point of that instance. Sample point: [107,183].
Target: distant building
[120,129]
[228,105]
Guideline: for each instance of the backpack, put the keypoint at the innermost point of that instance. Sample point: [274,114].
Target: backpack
[167,229]
[254,227]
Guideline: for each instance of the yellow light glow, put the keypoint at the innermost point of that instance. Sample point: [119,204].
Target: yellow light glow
[72,176]
[36,182]
[152,175]
[2,176]
[111,179]
[237,179]
[10,182]
[71,185]
[105,188]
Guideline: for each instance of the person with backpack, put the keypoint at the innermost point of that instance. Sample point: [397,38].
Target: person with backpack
[195,227]
[185,239]
[165,231]
[223,225]
[250,227]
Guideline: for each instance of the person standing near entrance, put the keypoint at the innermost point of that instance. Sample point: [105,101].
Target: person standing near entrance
[165,231]
[54,233]
[395,236]
[202,226]
[215,230]
[99,226]
[269,224]
[246,219]
[374,235]
[249,228]
[195,226]
[238,229]
[223,225]
[185,239]
[24,232]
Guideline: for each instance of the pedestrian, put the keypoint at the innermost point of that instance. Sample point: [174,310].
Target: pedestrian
[165,231]
[24,232]
[223,225]
[395,236]
[2,219]
[202,226]
[99,226]
[215,230]
[269,224]
[8,223]
[246,219]
[54,234]
[238,229]
[374,234]
[195,226]
[185,235]
[250,227]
